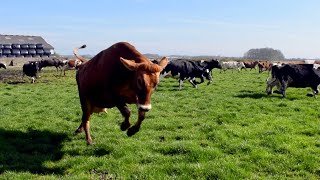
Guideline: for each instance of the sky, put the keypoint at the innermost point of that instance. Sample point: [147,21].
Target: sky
[169,27]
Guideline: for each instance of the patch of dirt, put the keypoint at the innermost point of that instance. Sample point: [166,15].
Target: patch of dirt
[12,76]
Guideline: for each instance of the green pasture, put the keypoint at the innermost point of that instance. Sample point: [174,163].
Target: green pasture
[227,130]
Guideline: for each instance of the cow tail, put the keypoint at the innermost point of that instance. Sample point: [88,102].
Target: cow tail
[75,52]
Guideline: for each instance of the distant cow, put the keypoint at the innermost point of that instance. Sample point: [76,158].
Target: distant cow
[71,64]
[2,65]
[294,75]
[250,64]
[51,63]
[231,65]
[115,77]
[31,69]
[185,69]
[264,66]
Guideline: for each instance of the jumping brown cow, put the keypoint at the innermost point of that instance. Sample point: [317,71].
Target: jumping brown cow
[115,77]
[70,64]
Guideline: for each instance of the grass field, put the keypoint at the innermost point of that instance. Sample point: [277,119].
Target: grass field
[228,130]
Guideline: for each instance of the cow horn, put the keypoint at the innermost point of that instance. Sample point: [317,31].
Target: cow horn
[129,64]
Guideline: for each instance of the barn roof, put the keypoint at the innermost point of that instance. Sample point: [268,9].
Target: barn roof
[20,39]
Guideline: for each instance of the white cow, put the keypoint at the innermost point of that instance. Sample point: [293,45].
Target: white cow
[232,65]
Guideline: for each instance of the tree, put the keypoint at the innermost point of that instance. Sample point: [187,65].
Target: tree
[264,54]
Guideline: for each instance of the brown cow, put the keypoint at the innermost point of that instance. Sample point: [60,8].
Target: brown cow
[264,66]
[70,64]
[250,64]
[115,77]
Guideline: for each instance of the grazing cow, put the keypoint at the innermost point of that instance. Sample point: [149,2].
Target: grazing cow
[51,62]
[115,77]
[31,69]
[250,64]
[189,69]
[231,65]
[2,65]
[71,64]
[294,75]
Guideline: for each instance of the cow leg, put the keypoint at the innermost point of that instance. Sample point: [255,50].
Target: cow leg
[124,110]
[135,128]
[33,79]
[64,70]
[315,91]
[192,82]
[85,124]
[180,83]
[201,80]
[270,85]
[283,88]
[211,78]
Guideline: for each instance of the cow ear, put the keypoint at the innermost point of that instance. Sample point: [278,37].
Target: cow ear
[163,62]
[129,64]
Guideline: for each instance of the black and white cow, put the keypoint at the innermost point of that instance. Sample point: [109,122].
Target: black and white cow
[2,65]
[184,69]
[31,69]
[51,62]
[294,75]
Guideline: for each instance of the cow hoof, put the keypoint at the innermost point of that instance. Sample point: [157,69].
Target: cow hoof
[131,131]
[124,126]
[78,131]
[90,143]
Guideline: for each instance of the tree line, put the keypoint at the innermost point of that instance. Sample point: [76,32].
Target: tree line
[264,54]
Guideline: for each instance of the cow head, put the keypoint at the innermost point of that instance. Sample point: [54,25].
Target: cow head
[215,64]
[146,78]
[3,66]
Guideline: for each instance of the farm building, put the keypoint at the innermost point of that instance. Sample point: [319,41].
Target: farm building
[14,46]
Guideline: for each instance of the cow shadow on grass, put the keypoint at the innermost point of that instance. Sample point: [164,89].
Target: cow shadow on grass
[259,95]
[171,88]
[251,94]
[28,151]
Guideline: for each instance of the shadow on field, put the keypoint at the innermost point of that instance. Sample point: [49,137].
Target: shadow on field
[28,151]
[251,94]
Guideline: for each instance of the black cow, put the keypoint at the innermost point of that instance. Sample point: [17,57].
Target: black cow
[294,75]
[31,69]
[3,66]
[190,69]
[51,62]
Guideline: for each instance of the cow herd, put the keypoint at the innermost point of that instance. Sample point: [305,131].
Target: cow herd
[32,68]
[121,75]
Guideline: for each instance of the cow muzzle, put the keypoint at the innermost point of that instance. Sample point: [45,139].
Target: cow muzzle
[143,107]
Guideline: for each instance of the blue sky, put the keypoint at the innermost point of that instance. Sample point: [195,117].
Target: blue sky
[166,27]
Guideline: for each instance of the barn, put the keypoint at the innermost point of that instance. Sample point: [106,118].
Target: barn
[19,46]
